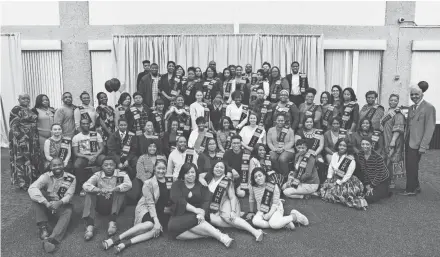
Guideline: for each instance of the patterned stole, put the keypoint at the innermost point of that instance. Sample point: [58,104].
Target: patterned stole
[343,167]
[302,82]
[371,112]
[347,114]
[206,114]
[228,87]
[311,111]
[65,184]
[266,200]
[245,170]
[301,170]
[224,106]
[121,111]
[328,113]
[219,194]
[219,156]
[189,87]
[274,93]
[65,146]
[388,117]
[137,120]
[84,114]
[317,136]
[127,146]
[375,138]
[159,121]
[282,136]
[257,133]
[342,133]
[189,155]
[93,141]
[174,92]
[244,113]
[201,141]
[228,140]
[169,181]
[264,111]
[207,94]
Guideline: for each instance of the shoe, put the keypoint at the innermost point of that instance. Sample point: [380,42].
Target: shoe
[89,233]
[300,218]
[418,189]
[49,246]
[405,193]
[290,226]
[106,244]
[112,228]
[44,234]
[226,240]
[260,235]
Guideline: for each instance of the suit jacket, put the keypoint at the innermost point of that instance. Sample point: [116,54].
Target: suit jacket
[140,76]
[421,125]
[115,147]
[288,80]
[145,87]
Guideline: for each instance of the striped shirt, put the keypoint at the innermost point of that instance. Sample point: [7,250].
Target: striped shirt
[256,195]
[155,88]
[373,169]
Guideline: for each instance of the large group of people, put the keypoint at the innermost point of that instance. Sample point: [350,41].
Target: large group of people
[189,145]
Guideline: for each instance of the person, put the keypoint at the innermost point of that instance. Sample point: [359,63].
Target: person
[226,130]
[213,66]
[248,71]
[258,103]
[341,185]
[371,110]
[88,148]
[297,84]
[336,98]
[275,85]
[45,117]
[158,117]
[105,194]
[259,158]
[376,176]
[266,67]
[148,136]
[199,74]
[232,69]
[237,162]
[270,209]
[51,194]
[332,136]
[106,116]
[314,138]
[148,86]
[225,208]
[58,146]
[366,130]
[393,128]
[24,147]
[304,179]
[238,112]
[421,125]
[209,156]
[85,111]
[197,139]
[310,109]
[137,115]
[262,83]
[211,86]
[228,85]
[242,84]
[197,109]
[122,146]
[349,110]
[215,112]
[190,87]
[124,103]
[281,141]
[180,156]
[289,109]
[181,113]
[146,66]
[329,112]
[190,208]
[152,212]
[252,133]
[167,83]
[65,115]
[169,140]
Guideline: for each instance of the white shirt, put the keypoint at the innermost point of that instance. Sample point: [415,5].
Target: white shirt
[176,160]
[418,104]
[122,134]
[213,184]
[196,110]
[295,85]
[193,138]
[334,166]
[247,133]
[234,112]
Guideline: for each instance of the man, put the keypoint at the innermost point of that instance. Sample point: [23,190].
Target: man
[263,83]
[372,111]
[65,115]
[213,65]
[51,194]
[88,147]
[105,193]
[248,71]
[233,159]
[297,83]
[122,147]
[266,68]
[179,156]
[146,65]
[149,85]
[420,128]
[257,104]
[196,138]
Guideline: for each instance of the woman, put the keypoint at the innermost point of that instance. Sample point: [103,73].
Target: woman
[124,103]
[158,118]
[309,108]
[147,137]
[270,210]
[242,85]
[341,185]
[215,112]
[85,111]
[393,128]
[197,109]
[57,146]
[45,117]
[181,113]
[252,133]
[199,74]
[366,130]
[24,147]
[336,97]
[329,112]
[349,110]
[190,86]
[190,208]
[226,130]
[152,212]
[275,84]
[170,138]
[209,157]
[225,210]
[291,112]
[313,137]
[228,85]
[232,69]
[375,172]
[258,158]
[304,179]
[211,86]
[332,136]
[253,87]
[167,84]
[106,116]
[137,115]
[238,112]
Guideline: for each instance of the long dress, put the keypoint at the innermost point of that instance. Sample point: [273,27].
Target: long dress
[44,124]
[394,121]
[24,148]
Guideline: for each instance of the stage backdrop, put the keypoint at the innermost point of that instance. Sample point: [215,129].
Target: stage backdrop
[197,50]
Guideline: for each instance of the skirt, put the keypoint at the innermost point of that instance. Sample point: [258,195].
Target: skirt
[351,193]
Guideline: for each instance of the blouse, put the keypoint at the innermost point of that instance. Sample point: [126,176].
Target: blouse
[289,140]
[256,195]
[247,132]
[334,165]
[200,197]
[196,110]
[374,169]
[234,112]
[90,110]
[45,121]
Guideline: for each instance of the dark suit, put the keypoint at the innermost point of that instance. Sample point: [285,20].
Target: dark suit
[115,145]
[140,75]
[296,99]
[166,85]
[145,87]
[418,134]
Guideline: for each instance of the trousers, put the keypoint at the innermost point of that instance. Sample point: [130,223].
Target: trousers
[62,217]
[412,168]
[82,174]
[97,203]
[280,162]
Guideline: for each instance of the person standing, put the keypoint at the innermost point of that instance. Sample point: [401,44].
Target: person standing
[45,117]
[166,84]
[421,125]
[146,65]
[148,85]
[65,115]
[371,110]
[297,83]
[85,111]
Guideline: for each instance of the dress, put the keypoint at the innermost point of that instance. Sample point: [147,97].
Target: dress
[107,115]
[44,124]
[181,220]
[24,148]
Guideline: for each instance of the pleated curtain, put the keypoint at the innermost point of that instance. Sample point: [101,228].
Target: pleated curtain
[101,72]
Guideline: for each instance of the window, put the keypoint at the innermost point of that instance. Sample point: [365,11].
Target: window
[101,72]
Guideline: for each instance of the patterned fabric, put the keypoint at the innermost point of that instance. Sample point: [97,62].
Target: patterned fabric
[349,193]
[394,158]
[378,114]
[155,88]
[373,169]
[107,115]
[54,150]
[24,147]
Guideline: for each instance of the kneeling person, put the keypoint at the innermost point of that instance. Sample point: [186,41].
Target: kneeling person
[51,194]
[105,193]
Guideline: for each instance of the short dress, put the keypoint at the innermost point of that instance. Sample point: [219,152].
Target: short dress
[162,202]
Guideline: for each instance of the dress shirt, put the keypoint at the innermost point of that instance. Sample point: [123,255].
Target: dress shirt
[295,85]
[51,185]
[100,180]
[175,162]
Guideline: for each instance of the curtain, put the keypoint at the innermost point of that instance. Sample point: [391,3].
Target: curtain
[12,79]
[101,72]
[369,74]
[43,74]
[338,68]
[197,50]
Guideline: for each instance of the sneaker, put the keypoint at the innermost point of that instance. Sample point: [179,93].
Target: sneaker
[49,246]
[259,236]
[405,193]
[89,233]
[112,228]
[300,218]
[226,240]
[44,234]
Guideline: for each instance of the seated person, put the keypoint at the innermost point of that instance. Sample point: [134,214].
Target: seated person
[366,130]
[57,146]
[252,133]
[314,138]
[51,194]
[304,180]
[209,157]
[88,148]
[105,193]
[197,138]
[237,161]
[148,136]
[269,215]
[121,145]
[226,130]
[332,136]
[179,156]
[152,212]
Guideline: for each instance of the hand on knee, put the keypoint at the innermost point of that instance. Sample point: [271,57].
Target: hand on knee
[240,193]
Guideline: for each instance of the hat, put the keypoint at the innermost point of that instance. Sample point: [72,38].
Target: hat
[284,91]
